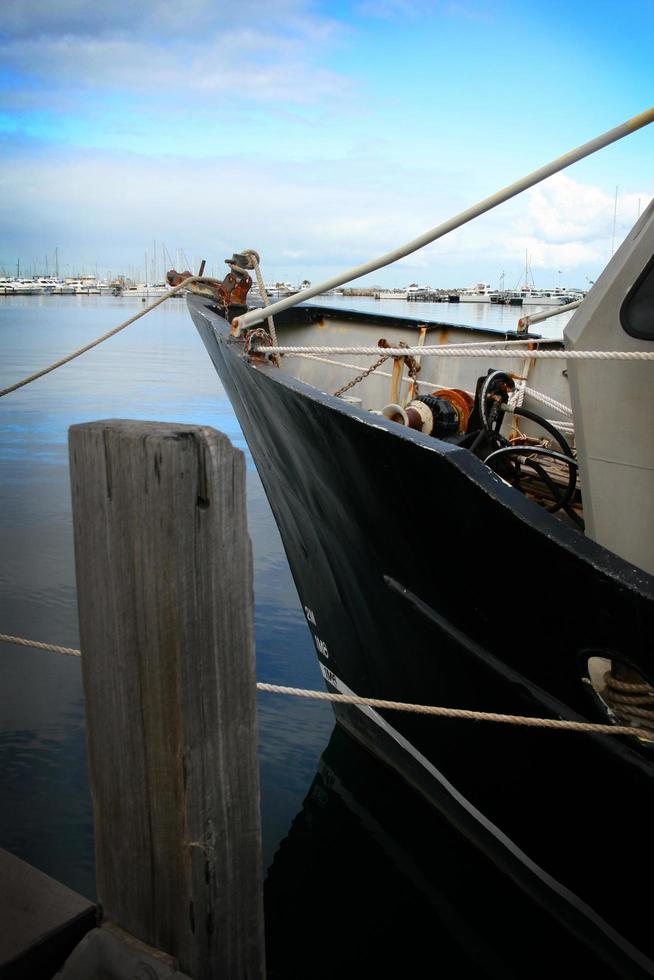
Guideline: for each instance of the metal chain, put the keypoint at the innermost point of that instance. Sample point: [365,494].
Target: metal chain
[361,377]
[412,367]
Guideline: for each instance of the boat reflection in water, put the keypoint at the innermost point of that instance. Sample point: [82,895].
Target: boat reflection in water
[372,882]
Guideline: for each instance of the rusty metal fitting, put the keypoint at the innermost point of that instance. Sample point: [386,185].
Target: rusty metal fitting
[232,291]
[257,337]
[460,400]
[174,278]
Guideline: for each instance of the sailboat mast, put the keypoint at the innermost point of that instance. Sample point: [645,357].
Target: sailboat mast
[615,214]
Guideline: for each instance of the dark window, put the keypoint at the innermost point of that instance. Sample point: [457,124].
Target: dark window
[637,311]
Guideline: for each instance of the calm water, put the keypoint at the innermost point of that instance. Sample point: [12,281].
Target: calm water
[363,878]
[490,316]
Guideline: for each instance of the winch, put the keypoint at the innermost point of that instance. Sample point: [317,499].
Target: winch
[443,413]
[531,465]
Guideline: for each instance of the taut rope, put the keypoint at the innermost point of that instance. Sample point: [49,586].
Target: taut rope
[99,340]
[445,351]
[423,709]
[631,125]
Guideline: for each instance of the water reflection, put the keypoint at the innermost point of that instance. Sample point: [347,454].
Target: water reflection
[372,882]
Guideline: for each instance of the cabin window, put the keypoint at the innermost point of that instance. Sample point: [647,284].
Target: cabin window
[637,311]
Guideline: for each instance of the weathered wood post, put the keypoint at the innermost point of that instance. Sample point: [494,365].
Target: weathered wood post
[164,583]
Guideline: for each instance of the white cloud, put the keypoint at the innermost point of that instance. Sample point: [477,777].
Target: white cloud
[301,220]
[165,50]
[419,9]
[571,224]
[164,18]
[258,66]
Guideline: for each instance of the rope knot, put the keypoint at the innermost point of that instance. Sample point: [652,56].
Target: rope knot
[252,258]
[256,339]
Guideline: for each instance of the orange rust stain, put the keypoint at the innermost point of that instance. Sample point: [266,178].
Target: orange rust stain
[460,400]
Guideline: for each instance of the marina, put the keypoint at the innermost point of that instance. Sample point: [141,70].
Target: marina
[123,286]
[401,599]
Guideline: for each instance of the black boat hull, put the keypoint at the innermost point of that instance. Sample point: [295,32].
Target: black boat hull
[426,579]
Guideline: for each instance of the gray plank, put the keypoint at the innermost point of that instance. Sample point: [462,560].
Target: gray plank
[41,920]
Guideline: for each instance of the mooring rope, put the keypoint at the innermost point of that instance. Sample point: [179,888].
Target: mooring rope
[53,648]
[453,351]
[423,709]
[630,701]
[105,336]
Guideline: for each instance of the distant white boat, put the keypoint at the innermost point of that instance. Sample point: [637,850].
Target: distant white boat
[543,297]
[55,286]
[27,287]
[142,290]
[481,292]
[84,285]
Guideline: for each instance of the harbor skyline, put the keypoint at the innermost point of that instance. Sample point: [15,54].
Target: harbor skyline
[322,134]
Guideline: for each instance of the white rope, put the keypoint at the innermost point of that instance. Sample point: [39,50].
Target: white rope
[423,709]
[561,355]
[630,126]
[550,402]
[517,397]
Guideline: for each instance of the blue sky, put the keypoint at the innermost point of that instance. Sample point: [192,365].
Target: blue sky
[321,134]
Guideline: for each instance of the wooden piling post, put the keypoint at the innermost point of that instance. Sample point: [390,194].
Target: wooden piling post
[164,583]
